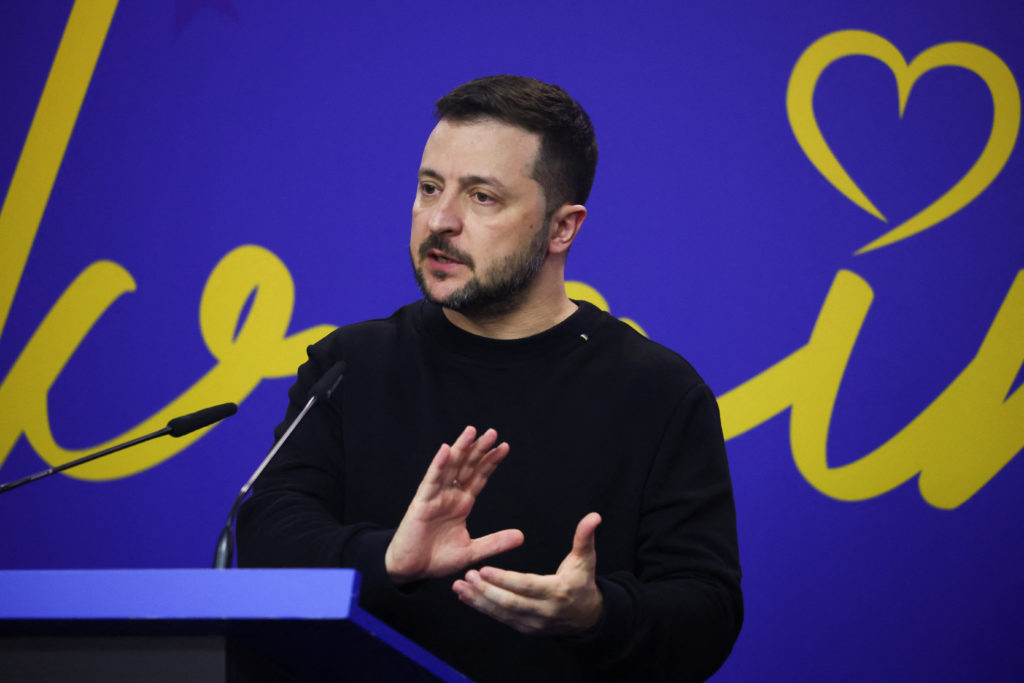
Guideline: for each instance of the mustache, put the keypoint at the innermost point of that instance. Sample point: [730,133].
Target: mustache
[442,243]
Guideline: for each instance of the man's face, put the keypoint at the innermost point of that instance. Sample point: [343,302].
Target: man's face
[478,234]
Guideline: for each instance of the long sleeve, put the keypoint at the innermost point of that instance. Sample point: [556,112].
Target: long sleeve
[295,515]
[678,614]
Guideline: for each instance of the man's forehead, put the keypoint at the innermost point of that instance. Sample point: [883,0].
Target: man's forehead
[490,146]
[485,121]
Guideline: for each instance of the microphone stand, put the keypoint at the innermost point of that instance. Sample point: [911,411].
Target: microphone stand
[322,390]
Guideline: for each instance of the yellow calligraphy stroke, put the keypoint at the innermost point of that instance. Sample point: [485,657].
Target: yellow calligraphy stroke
[957,444]
[47,139]
[260,349]
[989,67]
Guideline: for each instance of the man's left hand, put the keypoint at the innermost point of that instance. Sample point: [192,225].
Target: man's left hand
[563,603]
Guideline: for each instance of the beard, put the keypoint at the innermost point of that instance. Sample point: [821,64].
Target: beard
[498,290]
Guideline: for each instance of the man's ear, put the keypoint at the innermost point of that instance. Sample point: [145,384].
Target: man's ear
[565,224]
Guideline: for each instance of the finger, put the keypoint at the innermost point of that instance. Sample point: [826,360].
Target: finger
[521,613]
[527,585]
[449,468]
[479,448]
[490,599]
[467,452]
[461,445]
[436,477]
[583,541]
[487,466]
[494,544]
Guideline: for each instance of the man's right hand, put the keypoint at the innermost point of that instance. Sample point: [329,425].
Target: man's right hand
[432,539]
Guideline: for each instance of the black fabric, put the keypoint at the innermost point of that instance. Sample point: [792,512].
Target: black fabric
[598,418]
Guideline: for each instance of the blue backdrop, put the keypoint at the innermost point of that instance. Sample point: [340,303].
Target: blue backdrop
[828,194]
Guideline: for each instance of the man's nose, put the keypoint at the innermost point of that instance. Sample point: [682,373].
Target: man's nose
[446,215]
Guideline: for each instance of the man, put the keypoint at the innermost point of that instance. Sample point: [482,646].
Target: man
[604,544]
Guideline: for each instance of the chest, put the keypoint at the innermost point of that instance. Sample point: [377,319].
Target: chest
[571,450]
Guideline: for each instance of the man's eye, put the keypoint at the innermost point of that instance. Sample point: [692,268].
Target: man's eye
[483,197]
[428,188]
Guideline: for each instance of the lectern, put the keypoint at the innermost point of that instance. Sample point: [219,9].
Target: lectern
[236,625]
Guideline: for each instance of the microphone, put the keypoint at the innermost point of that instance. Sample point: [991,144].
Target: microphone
[326,385]
[321,391]
[179,426]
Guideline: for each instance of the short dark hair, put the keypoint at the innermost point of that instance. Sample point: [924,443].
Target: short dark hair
[568,149]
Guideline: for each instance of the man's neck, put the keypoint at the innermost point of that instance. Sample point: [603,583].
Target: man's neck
[523,321]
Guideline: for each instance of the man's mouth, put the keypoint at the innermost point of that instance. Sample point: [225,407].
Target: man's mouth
[437,250]
[442,257]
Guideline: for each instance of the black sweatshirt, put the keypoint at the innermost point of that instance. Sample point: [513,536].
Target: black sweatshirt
[598,418]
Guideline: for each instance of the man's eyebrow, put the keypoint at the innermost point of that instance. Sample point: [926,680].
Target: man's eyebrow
[466,181]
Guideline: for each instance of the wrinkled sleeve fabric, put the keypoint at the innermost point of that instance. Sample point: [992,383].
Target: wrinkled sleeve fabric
[294,516]
[678,615]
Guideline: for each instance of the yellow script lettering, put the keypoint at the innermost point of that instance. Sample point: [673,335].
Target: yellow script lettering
[957,444]
[261,348]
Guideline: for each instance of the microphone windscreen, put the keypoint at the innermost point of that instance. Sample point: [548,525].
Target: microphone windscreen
[326,385]
[180,426]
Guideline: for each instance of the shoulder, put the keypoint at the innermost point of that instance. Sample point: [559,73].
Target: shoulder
[369,336]
[636,359]
[369,348]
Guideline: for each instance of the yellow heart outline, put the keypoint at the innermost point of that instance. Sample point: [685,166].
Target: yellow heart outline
[986,64]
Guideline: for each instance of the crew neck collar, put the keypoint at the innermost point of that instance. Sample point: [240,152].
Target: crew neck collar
[561,338]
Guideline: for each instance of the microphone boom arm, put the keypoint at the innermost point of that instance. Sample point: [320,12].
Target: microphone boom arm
[80,461]
[179,426]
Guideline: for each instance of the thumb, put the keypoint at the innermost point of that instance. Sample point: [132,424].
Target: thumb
[583,542]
